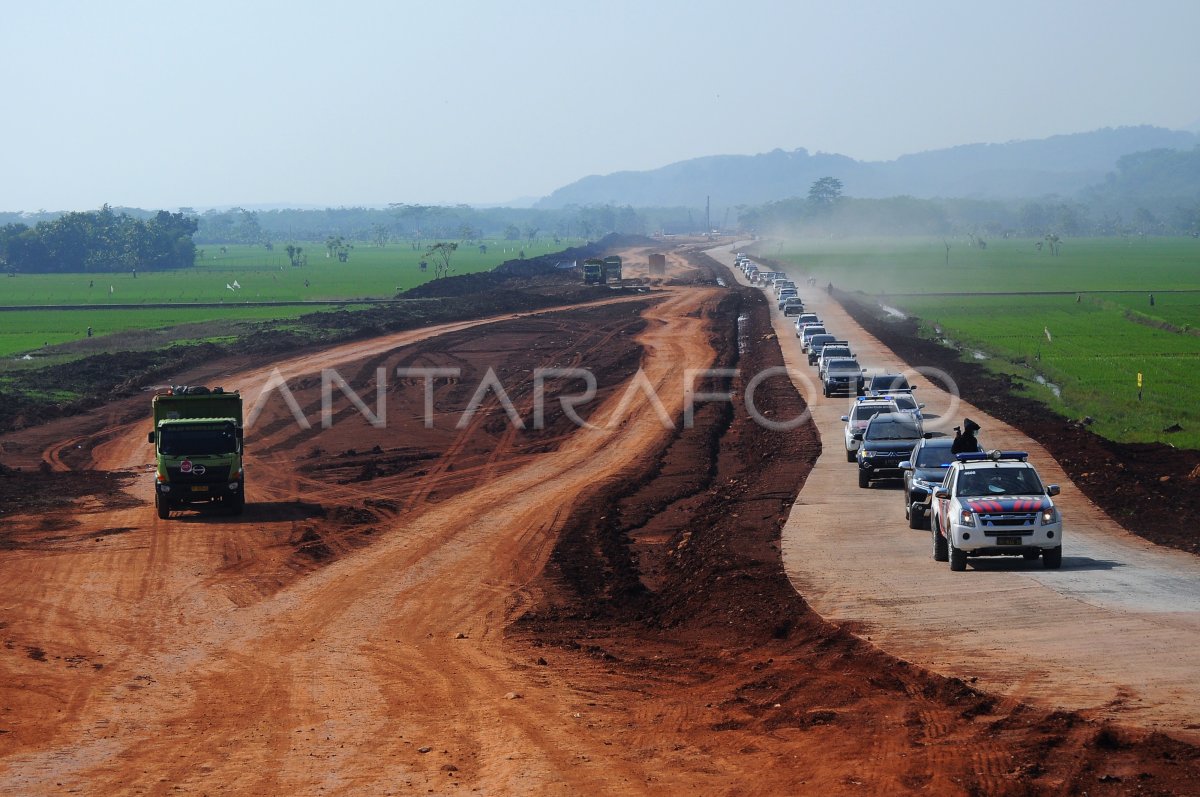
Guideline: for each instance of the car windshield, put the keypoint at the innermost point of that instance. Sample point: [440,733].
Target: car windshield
[999,481]
[196,442]
[934,457]
[814,331]
[843,365]
[893,430]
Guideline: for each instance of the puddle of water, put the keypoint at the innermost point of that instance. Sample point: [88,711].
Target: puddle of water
[1055,389]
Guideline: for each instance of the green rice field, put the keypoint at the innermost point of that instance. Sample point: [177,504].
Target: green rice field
[1080,352]
[240,274]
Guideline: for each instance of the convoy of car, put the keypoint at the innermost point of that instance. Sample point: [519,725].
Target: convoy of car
[975,503]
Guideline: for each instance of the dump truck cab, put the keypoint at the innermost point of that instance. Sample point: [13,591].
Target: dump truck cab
[198,444]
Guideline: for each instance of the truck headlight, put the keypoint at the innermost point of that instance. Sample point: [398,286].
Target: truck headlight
[867,453]
[1048,516]
[966,518]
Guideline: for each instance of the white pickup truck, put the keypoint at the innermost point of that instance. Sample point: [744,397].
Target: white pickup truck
[994,504]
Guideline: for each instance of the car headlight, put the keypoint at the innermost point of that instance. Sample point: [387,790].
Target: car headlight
[966,518]
[867,453]
[1048,516]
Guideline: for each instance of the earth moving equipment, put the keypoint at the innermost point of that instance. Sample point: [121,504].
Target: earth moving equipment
[197,440]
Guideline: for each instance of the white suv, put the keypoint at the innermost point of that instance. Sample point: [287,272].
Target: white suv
[864,410]
[994,504]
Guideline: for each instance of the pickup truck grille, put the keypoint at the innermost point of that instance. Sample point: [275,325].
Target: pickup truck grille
[1011,523]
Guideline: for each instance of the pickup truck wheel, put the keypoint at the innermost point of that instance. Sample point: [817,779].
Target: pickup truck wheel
[864,478]
[958,559]
[1052,558]
[940,552]
[850,455]
[164,510]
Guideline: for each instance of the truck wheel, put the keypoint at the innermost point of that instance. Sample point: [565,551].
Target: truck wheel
[236,503]
[1031,556]
[1052,558]
[864,478]
[915,519]
[940,551]
[850,455]
[958,559]
[164,509]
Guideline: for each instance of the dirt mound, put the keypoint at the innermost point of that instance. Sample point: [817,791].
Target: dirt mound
[513,273]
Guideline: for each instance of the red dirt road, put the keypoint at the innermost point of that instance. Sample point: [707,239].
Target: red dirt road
[146,659]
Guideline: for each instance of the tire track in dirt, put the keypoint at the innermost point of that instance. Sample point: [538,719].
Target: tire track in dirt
[373,634]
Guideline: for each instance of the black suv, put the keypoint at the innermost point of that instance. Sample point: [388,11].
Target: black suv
[880,384]
[924,471]
[886,442]
[843,375]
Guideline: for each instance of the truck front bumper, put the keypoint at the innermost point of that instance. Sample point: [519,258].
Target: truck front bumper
[197,492]
[978,541]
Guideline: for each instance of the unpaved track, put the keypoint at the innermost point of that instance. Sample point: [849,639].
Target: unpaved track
[1115,633]
[177,681]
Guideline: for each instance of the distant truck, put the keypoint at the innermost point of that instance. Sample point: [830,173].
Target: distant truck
[197,440]
[593,271]
[612,268]
[601,272]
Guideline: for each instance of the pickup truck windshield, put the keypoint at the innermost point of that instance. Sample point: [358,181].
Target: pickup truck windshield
[196,442]
[999,481]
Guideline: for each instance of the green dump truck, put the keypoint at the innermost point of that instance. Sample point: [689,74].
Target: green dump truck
[598,271]
[593,271]
[612,268]
[197,440]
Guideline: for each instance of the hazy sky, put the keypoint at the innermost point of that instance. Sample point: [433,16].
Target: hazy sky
[362,102]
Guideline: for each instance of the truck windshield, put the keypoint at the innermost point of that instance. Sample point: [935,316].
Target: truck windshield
[999,481]
[196,442]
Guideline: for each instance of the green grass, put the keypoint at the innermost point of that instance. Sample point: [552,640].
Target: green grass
[1099,342]
[371,273]
[919,264]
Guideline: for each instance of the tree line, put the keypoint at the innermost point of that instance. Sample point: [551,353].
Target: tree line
[99,241]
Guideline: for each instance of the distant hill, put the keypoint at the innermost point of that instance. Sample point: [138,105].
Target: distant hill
[1062,165]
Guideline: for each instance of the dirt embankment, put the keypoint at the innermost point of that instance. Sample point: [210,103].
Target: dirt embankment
[671,579]
[1149,488]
